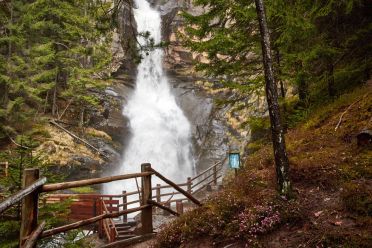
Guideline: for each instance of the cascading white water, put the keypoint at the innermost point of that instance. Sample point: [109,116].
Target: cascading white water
[160,130]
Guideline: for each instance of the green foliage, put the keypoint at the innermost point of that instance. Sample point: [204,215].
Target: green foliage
[19,159]
[50,49]
[322,45]
[226,33]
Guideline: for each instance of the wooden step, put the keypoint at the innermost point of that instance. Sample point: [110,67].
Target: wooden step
[129,223]
[124,232]
[123,228]
[125,236]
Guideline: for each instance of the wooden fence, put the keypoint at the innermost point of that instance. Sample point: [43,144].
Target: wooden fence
[105,209]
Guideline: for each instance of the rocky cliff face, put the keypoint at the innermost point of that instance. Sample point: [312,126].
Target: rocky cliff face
[216,127]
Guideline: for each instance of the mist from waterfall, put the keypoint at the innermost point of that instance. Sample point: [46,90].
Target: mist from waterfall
[161,133]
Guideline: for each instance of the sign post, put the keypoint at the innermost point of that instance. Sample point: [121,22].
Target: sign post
[234,161]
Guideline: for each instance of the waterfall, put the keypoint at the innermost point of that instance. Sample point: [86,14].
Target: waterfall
[161,133]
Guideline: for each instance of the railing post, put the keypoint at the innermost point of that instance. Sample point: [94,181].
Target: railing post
[29,206]
[125,207]
[179,206]
[189,184]
[100,223]
[215,175]
[166,213]
[146,190]
[158,198]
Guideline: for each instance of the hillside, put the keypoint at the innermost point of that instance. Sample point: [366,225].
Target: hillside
[332,200]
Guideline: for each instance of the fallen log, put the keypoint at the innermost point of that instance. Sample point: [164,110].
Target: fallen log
[80,139]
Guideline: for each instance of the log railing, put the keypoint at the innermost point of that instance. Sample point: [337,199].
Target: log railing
[33,187]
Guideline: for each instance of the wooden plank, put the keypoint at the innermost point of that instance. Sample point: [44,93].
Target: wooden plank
[85,195]
[29,205]
[86,182]
[86,222]
[10,201]
[130,241]
[32,239]
[111,202]
[80,217]
[193,199]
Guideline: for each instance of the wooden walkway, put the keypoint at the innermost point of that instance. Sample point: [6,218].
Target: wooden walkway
[107,214]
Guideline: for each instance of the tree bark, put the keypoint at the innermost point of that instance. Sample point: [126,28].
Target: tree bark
[280,154]
[279,72]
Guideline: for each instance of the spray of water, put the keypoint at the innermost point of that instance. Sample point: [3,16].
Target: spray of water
[160,131]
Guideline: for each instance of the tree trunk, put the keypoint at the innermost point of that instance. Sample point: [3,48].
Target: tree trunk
[54,104]
[279,72]
[280,154]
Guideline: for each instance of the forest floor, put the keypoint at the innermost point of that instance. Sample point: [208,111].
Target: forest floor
[332,185]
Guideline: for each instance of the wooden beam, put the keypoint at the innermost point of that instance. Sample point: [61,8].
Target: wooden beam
[29,205]
[10,201]
[163,207]
[89,221]
[32,239]
[86,182]
[189,196]
[146,192]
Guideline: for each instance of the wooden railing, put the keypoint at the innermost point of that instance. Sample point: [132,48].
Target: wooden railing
[108,224]
[33,187]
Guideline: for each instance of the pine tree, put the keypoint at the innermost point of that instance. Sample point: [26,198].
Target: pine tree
[227,34]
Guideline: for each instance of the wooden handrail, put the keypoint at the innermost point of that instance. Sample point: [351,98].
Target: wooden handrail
[106,224]
[91,195]
[174,200]
[206,170]
[202,181]
[168,186]
[197,191]
[35,187]
[89,221]
[185,193]
[86,182]
[32,239]
[10,201]
[163,207]
[168,194]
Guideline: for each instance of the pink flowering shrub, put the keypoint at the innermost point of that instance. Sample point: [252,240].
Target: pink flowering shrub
[257,220]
